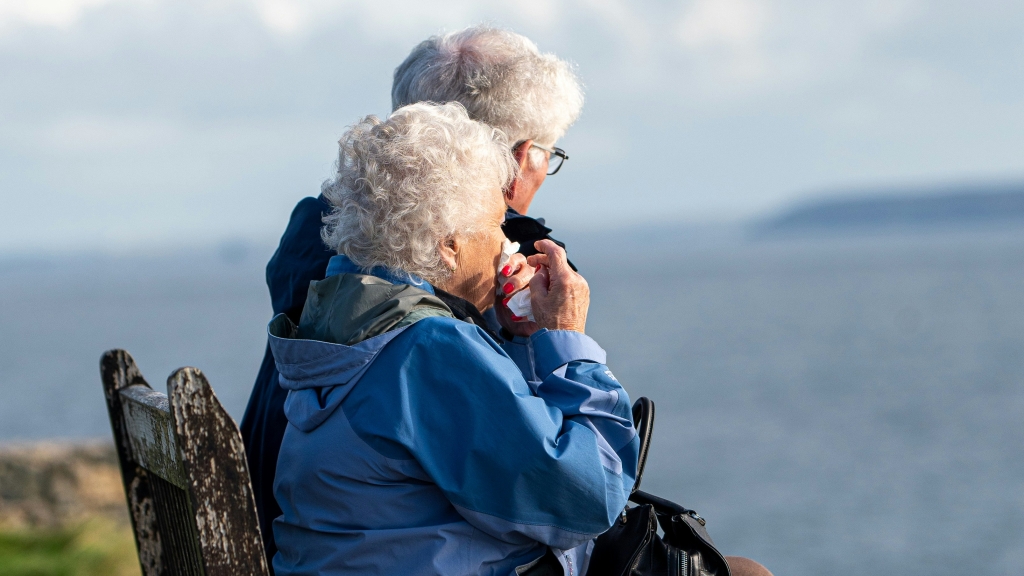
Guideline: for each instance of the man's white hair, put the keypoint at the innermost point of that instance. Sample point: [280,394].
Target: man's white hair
[407,183]
[499,76]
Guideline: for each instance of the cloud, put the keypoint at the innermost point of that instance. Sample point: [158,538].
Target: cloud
[209,118]
[284,17]
[92,134]
[734,23]
[730,33]
[735,50]
[57,13]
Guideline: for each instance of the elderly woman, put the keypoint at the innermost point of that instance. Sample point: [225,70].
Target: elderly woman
[414,444]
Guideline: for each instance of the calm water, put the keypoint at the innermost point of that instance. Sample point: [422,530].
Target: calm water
[832,407]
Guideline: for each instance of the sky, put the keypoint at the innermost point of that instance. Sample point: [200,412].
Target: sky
[133,124]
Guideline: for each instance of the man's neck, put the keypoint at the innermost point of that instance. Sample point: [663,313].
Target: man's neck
[519,207]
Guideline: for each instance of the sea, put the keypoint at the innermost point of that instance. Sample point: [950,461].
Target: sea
[832,404]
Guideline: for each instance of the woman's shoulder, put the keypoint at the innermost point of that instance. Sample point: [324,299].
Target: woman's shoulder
[442,348]
[440,332]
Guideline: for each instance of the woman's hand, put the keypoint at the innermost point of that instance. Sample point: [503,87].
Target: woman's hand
[560,296]
[515,276]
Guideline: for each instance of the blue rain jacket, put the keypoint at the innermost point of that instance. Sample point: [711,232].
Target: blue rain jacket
[424,451]
[301,257]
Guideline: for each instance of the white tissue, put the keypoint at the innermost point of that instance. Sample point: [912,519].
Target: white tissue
[507,250]
[521,305]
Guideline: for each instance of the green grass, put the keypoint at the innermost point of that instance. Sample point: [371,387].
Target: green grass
[95,548]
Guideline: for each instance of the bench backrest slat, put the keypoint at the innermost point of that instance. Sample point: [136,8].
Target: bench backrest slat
[185,474]
[147,420]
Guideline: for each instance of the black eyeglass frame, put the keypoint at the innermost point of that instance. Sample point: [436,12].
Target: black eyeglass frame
[553,151]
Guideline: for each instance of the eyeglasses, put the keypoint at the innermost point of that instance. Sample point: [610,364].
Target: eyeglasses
[555,160]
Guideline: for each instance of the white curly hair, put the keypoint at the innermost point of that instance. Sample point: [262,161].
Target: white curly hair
[499,76]
[405,184]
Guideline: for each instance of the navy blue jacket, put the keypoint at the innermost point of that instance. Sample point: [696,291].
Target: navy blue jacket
[300,258]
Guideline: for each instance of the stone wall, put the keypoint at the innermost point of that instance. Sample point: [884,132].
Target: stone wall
[56,485]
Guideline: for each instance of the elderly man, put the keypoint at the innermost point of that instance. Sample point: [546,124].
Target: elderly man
[502,80]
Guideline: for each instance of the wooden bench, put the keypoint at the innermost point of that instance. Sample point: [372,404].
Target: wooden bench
[185,474]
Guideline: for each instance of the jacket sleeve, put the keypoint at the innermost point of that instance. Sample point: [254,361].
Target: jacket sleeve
[554,464]
[520,351]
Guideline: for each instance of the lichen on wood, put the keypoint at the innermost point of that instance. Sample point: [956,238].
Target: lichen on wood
[152,442]
[147,531]
[210,448]
[183,465]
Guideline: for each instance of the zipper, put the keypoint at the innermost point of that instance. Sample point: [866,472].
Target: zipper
[635,558]
[684,561]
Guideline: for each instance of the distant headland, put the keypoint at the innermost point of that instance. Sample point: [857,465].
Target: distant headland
[964,205]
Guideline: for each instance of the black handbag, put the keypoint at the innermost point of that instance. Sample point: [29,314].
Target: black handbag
[632,546]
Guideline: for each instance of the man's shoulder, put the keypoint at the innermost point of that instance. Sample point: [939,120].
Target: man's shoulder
[303,231]
[308,213]
[309,204]
[301,256]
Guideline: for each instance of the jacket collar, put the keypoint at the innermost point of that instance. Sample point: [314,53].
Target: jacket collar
[342,264]
[461,309]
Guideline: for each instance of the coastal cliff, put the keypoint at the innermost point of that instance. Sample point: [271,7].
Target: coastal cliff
[50,486]
[950,207]
[63,511]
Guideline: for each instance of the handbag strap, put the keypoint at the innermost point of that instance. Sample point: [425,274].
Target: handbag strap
[674,518]
[661,505]
[643,419]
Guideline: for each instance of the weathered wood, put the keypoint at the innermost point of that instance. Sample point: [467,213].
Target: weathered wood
[118,371]
[147,416]
[185,474]
[211,451]
[147,526]
[177,520]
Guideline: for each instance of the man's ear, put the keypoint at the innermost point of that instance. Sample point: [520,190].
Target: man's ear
[449,250]
[521,154]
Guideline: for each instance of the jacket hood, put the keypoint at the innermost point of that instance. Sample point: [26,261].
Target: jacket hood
[318,375]
[347,321]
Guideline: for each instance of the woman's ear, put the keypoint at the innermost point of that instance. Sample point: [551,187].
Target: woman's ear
[449,250]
